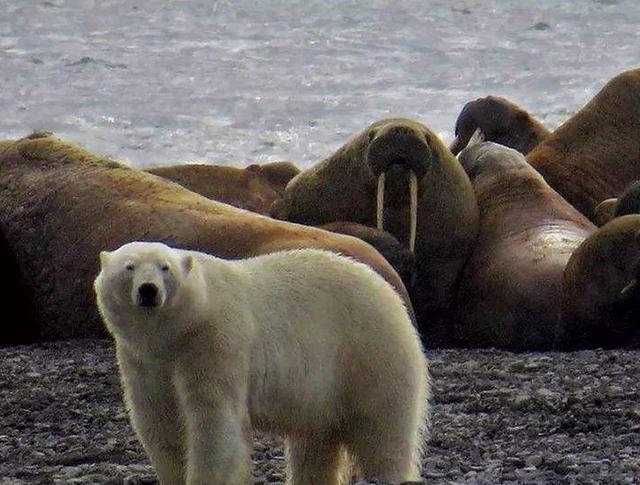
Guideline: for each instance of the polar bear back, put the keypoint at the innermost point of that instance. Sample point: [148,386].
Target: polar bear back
[326,330]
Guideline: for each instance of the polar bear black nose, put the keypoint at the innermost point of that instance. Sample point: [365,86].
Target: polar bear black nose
[148,295]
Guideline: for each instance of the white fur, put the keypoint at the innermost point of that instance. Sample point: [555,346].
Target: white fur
[305,344]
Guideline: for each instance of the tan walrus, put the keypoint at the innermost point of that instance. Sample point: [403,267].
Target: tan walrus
[601,288]
[501,121]
[61,205]
[398,176]
[510,290]
[595,155]
[253,188]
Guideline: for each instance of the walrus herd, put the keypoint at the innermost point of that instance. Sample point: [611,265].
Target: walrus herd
[515,236]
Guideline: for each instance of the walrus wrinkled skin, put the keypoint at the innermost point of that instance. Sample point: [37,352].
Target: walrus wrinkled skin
[595,155]
[61,205]
[400,258]
[601,291]
[343,187]
[253,188]
[501,121]
[510,290]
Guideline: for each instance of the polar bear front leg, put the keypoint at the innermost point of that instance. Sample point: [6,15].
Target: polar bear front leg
[154,413]
[216,418]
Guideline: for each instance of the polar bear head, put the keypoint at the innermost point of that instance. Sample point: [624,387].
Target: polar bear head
[141,280]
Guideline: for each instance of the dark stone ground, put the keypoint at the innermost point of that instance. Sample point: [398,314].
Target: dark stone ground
[497,418]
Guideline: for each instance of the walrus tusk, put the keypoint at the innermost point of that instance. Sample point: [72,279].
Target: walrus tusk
[380,203]
[476,138]
[413,192]
[413,208]
[626,291]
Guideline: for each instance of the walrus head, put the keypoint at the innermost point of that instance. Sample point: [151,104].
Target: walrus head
[501,121]
[389,158]
[398,155]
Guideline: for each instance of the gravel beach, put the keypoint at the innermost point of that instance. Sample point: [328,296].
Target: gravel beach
[497,418]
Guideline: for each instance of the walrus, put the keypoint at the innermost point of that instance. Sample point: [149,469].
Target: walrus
[18,323]
[398,176]
[501,121]
[627,203]
[61,205]
[399,256]
[601,305]
[253,188]
[605,211]
[510,290]
[595,155]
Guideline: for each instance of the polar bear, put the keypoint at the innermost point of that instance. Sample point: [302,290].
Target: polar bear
[305,344]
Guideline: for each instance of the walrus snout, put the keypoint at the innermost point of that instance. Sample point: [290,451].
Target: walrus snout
[148,295]
[399,145]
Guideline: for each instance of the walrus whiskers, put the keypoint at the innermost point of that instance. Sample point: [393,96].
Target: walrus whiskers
[380,202]
[413,190]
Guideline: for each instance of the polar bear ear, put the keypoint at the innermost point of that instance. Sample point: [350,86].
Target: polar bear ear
[105,257]
[187,264]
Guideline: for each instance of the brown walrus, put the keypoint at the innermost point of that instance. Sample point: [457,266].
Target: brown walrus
[253,188]
[595,155]
[60,206]
[510,290]
[605,211]
[501,121]
[627,203]
[15,300]
[601,290]
[368,181]
[399,256]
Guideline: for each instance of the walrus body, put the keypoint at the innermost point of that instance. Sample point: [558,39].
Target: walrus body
[501,121]
[60,206]
[343,188]
[595,155]
[18,323]
[601,292]
[510,289]
[253,188]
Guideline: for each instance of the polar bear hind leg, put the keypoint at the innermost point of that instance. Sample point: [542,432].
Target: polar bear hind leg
[316,460]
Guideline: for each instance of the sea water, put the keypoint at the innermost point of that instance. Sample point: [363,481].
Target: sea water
[234,82]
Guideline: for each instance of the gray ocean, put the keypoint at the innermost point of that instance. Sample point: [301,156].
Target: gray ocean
[233,82]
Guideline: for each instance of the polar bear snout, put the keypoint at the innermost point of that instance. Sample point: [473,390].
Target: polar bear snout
[149,295]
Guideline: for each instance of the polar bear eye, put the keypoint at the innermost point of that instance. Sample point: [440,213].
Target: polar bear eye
[130,267]
[165,268]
